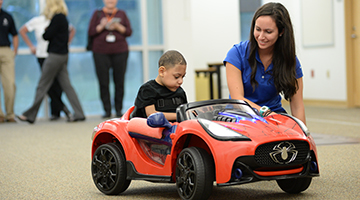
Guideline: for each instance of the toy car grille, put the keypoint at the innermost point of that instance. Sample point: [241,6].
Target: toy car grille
[282,153]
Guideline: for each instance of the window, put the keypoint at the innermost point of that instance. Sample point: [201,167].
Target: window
[21,11]
[146,47]
[247,10]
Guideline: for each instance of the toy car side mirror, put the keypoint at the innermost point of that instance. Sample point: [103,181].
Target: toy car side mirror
[158,119]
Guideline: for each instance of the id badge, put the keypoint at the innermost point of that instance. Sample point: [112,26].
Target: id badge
[110,38]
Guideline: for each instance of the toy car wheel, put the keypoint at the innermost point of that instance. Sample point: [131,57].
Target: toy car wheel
[108,169]
[295,185]
[194,174]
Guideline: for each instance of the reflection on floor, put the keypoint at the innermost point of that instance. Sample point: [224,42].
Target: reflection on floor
[324,139]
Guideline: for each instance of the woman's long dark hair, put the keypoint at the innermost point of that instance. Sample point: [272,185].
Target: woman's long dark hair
[284,61]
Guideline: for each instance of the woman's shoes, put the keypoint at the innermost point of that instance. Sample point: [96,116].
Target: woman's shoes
[24,119]
[76,119]
[53,118]
[106,115]
[70,119]
[67,112]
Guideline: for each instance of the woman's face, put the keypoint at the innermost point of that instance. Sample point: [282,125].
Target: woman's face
[110,4]
[266,32]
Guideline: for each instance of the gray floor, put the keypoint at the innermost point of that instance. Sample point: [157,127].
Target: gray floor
[51,160]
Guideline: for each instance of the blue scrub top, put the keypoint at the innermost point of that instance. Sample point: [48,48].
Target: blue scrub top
[265,93]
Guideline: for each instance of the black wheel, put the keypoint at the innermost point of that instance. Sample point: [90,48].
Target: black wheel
[295,185]
[194,174]
[108,169]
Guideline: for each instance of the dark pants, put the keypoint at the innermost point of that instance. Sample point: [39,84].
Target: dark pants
[55,66]
[103,63]
[54,93]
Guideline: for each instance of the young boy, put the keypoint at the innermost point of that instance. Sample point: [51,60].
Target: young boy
[163,94]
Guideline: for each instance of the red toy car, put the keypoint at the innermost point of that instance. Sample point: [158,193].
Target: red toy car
[223,140]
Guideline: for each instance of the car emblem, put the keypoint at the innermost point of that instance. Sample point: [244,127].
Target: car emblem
[284,153]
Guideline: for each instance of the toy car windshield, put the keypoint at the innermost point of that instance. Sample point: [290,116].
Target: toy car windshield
[220,110]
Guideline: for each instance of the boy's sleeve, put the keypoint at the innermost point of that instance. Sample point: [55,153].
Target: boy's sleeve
[145,97]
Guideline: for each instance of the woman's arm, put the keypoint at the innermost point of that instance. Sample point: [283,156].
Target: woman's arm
[235,84]
[100,27]
[297,103]
[23,32]
[15,40]
[72,32]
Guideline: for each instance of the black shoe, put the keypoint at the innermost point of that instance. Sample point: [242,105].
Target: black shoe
[76,119]
[119,115]
[24,119]
[67,112]
[53,118]
[106,116]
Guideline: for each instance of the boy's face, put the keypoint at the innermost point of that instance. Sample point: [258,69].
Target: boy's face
[172,78]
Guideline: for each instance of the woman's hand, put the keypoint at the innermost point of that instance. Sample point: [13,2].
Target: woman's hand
[100,27]
[33,49]
[117,27]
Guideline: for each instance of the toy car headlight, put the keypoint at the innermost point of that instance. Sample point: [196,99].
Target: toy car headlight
[302,126]
[221,132]
[300,123]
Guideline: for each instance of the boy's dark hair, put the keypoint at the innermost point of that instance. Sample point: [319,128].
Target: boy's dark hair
[171,58]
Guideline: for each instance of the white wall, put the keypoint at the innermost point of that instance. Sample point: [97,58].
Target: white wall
[204,30]
[328,62]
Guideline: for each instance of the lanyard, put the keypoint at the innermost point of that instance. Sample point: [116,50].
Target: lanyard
[109,16]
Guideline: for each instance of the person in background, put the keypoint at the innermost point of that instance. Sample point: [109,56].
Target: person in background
[260,69]
[38,25]
[109,29]
[55,65]
[164,94]
[7,63]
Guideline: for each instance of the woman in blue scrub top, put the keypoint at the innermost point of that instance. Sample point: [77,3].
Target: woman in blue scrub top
[261,69]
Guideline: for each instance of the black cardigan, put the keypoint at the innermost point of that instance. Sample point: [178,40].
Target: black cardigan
[58,34]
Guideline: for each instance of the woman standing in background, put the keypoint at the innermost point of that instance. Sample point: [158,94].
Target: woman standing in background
[38,25]
[55,65]
[109,28]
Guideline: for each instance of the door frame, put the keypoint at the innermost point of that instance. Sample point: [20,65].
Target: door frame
[350,65]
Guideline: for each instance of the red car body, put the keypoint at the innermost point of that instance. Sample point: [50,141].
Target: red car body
[225,141]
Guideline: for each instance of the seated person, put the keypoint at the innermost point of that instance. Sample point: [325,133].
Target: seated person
[163,94]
